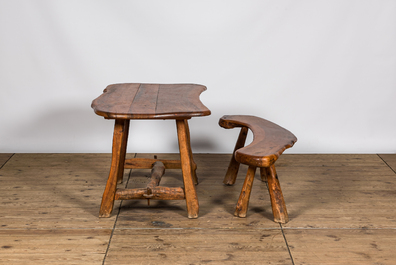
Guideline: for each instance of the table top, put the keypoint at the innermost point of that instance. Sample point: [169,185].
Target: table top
[150,101]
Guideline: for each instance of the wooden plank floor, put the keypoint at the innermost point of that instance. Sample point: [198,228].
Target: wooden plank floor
[341,210]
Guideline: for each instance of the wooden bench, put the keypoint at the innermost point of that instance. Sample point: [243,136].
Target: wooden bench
[269,142]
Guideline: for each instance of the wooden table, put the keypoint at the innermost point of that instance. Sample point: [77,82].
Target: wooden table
[124,102]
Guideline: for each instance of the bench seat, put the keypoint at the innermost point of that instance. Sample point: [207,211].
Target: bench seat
[269,142]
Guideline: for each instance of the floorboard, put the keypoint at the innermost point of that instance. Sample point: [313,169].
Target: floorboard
[338,191]
[53,246]
[342,246]
[198,246]
[340,209]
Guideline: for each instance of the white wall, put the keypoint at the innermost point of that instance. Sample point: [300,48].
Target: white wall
[325,70]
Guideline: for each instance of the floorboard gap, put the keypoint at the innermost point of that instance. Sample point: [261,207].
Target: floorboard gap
[287,245]
[386,163]
[115,221]
[7,161]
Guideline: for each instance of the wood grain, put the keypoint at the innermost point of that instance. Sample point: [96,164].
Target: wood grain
[196,246]
[340,210]
[157,193]
[53,191]
[216,201]
[123,102]
[49,246]
[150,101]
[338,191]
[342,246]
[269,142]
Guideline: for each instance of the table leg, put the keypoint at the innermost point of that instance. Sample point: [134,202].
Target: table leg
[124,142]
[193,164]
[120,137]
[186,163]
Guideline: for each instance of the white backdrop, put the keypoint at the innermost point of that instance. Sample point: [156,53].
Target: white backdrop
[325,70]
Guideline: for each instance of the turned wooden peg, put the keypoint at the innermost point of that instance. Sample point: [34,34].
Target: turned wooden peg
[130,101]
[117,166]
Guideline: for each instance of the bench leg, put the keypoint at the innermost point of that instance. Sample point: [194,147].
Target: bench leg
[277,202]
[120,138]
[243,201]
[186,163]
[263,174]
[232,171]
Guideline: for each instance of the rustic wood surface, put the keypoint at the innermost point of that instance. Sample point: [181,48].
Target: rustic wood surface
[338,191]
[150,101]
[120,137]
[157,193]
[243,201]
[189,176]
[123,102]
[269,142]
[342,246]
[340,209]
[197,246]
